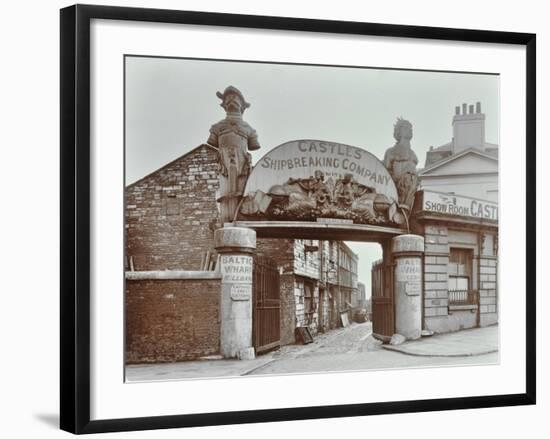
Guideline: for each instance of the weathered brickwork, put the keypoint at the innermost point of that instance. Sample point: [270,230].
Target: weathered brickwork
[329,288]
[299,300]
[330,262]
[288,309]
[436,278]
[172,213]
[306,258]
[304,316]
[171,320]
[324,323]
[280,250]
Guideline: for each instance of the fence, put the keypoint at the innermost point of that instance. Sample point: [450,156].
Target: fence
[463,297]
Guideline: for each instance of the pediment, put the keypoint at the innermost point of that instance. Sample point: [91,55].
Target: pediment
[468,162]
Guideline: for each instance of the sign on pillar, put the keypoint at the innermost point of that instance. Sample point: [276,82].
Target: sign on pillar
[407,252]
[236,246]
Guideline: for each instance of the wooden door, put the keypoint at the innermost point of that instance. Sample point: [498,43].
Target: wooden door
[383,312]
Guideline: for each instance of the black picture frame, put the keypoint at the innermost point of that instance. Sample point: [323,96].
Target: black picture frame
[75,217]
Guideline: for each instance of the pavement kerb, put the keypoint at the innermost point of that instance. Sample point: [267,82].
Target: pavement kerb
[258,366]
[403,350]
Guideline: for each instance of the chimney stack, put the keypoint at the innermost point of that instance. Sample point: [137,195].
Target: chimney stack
[468,128]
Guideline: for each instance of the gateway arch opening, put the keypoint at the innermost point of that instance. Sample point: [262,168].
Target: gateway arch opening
[368,285]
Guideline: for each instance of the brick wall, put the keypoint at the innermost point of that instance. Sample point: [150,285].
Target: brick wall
[331,250]
[303,318]
[280,250]
[288,309]
[307,263]
[172,213]
[324,320]
[334,303]
[171,320]
[299,301]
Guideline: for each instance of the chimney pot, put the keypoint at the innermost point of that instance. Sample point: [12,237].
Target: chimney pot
[469,132]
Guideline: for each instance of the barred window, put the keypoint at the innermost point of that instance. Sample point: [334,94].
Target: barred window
[460,277]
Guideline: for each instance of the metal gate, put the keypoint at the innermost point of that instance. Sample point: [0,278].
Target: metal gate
[266,312]
[383,321]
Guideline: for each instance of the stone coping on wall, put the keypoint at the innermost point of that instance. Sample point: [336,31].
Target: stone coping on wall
[172,275]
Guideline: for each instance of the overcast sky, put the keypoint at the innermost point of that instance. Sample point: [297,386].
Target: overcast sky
[171,104]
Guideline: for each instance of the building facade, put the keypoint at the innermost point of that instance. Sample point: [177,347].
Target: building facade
[360,300]
[460,262]
[457,213]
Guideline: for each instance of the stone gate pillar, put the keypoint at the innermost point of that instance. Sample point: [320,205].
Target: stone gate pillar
[236,246]
[407,252]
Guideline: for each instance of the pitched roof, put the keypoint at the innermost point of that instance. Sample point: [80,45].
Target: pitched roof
[445,150]
[445,160]
[172,162]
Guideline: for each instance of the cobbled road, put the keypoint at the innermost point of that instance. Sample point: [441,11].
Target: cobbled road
[353,348]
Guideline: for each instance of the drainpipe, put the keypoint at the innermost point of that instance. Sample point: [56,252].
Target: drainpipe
[338,278]
[478,278]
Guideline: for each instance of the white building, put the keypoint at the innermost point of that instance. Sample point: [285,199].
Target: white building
[457,212]
[467,165]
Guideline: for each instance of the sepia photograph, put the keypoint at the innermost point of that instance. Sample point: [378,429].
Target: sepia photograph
[288,219]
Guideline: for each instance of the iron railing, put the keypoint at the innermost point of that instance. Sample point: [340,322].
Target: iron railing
[266,313]
[463,297]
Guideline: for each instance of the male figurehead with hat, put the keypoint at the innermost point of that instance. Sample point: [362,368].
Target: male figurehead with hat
[234,138]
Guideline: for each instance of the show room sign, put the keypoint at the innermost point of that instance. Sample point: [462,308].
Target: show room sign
[455,205]
[299,159]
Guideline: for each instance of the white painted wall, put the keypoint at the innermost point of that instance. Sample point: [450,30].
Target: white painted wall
[484,187]
[468,164]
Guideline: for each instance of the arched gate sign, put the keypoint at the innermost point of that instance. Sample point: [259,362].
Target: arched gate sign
[311,180]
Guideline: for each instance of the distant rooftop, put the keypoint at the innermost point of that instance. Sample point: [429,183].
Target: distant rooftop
[468,133]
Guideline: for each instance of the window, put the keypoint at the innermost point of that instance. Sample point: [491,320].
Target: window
[459,283]
[460,275]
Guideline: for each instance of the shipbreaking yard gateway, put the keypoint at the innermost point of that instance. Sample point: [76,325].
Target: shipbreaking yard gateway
[226,259]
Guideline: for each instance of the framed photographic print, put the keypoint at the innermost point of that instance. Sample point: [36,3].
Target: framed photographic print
[272,218]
